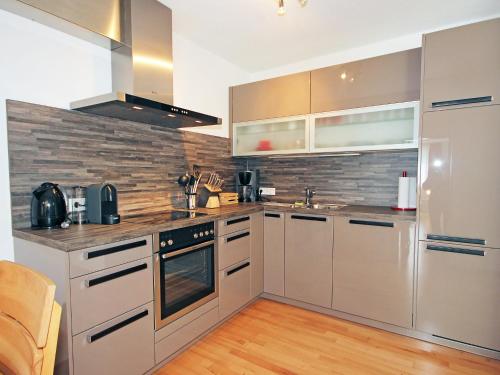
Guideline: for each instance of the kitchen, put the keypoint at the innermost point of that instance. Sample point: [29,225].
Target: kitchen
[159,278]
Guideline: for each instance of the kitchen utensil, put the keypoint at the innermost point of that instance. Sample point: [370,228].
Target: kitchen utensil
[191,201]
[192,180]
[183,180]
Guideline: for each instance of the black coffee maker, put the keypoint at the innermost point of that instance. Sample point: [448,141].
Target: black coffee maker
[102,204]
[48,206]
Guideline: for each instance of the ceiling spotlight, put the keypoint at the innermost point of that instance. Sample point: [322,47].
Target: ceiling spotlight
[281,7]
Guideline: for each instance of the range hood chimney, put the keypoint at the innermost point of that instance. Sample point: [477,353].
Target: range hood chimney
[139,34]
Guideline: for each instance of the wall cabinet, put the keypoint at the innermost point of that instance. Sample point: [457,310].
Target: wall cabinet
[386,127]
[277,97]
[458,293]
[257,253]
[373,269]
[308,258]
[391,78]
[461,66]
[274,253]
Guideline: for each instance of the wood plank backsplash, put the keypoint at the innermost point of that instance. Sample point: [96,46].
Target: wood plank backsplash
[367,179]
[144,161]
[72,148]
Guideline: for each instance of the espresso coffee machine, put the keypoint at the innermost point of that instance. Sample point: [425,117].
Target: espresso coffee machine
[102,204]
[247,185]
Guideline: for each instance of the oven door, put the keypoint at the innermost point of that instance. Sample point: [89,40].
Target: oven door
[184,280]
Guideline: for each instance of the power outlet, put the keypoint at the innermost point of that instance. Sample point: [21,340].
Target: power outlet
[267,191]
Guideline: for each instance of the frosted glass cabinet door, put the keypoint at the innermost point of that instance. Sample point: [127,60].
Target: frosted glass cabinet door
[386,127]
[275,136]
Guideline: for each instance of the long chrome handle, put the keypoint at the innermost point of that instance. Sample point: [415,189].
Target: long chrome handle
[107,331]
[473,241]
[237,236]
[455,250]
[187,250]
[115,275]
[372,223]
[238,220]
[114,249]
[449,103]
[312,218]
[236,269]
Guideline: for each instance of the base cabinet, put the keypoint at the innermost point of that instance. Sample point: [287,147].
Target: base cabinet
[308,258]
[102,349]
[373,269]
[235,289]
[274,253]
[458,294]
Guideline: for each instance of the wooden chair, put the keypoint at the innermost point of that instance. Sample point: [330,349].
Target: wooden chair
[29,321]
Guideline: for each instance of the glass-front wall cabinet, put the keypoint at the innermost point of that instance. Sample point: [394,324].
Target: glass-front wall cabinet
[288,135]
[386,127]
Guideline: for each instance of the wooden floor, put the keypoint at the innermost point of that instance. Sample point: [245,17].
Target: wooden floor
[273,338]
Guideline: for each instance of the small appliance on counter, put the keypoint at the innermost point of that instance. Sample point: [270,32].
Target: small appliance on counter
[77,208]
[48,206]
[247,185]
[407,193]
[102,204]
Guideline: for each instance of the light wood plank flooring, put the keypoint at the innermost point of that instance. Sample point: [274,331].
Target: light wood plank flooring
[273,338]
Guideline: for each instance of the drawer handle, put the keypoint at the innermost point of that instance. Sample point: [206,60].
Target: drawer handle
[241,235]
[117,326]
[372,223]
[272,215]
[437,237]
[456,250]
[236,269]
[112,276]
[312,218]
[238,220]
[114,249]
[448,103]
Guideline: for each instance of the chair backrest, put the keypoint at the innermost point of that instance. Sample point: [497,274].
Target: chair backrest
[30,319]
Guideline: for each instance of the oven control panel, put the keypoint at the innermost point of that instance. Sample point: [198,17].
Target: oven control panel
[185,237]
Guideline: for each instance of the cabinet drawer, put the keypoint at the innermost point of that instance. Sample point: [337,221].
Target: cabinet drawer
[177,340]
[234,248]
[458,293]
[97,258]
[234,289]
[103,295]
[233,224]
[124,345]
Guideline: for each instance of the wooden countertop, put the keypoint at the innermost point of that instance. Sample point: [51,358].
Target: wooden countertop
[78,237]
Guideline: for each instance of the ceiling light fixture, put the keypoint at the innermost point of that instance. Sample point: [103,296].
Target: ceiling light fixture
[281,6]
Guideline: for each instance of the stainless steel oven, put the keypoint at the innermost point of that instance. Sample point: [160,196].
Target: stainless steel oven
[185,271]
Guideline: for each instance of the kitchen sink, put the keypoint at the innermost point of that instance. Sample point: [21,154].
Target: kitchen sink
[317,206]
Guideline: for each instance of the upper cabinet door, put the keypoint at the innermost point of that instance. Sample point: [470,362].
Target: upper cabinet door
[462,66]
[392,78]
[277,97]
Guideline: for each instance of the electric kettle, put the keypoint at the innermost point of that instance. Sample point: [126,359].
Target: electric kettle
[48,206]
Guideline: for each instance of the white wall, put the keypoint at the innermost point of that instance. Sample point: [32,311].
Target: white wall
[43,66]
[201,82]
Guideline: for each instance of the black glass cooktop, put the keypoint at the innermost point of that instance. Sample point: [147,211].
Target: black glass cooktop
[164,216]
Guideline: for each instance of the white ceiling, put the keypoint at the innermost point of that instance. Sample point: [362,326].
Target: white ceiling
[251,35]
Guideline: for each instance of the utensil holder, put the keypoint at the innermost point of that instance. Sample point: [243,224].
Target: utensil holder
[191,201]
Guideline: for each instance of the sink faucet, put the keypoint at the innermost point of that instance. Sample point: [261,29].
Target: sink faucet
[309,195]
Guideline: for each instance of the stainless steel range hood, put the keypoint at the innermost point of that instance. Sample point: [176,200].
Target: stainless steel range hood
[139,34]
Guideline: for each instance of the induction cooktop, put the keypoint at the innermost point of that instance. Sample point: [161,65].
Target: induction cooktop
[164,216]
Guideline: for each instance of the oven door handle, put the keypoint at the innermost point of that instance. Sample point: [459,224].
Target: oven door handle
[186,250]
